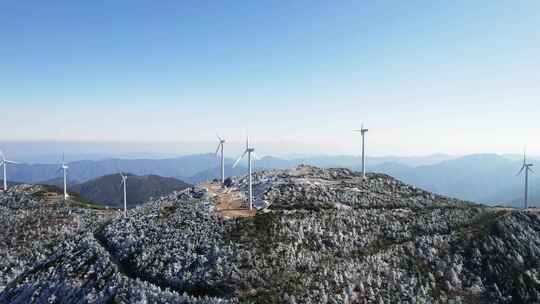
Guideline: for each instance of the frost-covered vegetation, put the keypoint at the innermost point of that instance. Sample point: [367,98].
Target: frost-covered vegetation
[31,227]
[325,236]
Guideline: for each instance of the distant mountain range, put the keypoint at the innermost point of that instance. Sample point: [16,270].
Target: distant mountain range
[107,190]
[485,178]
[85,170]
[59,182]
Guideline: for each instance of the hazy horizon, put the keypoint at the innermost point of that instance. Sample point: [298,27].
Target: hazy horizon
[51,152]
[425,77]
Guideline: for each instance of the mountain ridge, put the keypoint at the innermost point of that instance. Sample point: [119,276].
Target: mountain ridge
[325,236]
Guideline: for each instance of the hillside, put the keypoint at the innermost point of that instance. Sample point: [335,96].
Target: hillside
[325,236]
[108,190]
[58,182]
[32,225]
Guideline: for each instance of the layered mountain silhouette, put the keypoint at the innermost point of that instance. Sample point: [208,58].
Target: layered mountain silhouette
[486,178]
[59,182]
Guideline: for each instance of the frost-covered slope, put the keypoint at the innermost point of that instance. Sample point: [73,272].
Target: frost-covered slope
[325,236]
[31,226]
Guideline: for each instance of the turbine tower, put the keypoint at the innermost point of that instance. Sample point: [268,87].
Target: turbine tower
[3,163]
[64,167]
[250,152]
[220,147]
[363,133]
[124,182]
[527,168]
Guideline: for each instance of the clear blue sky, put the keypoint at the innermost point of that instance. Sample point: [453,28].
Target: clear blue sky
[426,76]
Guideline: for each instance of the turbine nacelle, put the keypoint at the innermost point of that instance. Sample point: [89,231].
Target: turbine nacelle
[3,163]
[123,176]
[250,152]
[527,168]
[222,162]
[3,159]
[124,183]
[221,139]
[8,162]
[362,130]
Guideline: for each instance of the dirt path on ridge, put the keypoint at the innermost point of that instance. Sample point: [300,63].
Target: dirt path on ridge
[230,204]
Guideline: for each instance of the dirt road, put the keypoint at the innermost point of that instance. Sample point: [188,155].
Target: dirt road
[230,203]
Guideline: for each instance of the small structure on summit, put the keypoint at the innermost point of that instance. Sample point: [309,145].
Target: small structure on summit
[3,163]
[249,151]
[363,132]
[527,168]
[222,158]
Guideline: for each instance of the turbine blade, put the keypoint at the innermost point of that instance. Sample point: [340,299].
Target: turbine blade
[521,170]
[219,137]
[239,159]
[218,146]
[11,162]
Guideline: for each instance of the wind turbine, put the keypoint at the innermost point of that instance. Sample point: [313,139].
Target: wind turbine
[249,151]
[527,168]
[220,147]
[3,163]
[64,167]
[363,133]
[124,179]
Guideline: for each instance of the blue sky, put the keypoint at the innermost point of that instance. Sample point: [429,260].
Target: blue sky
[426,76]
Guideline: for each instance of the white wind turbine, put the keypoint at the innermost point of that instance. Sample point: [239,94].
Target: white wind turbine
[527,168]
[64,167]
[124,183]
[220,147]
[249,151]
[3,163]
[363,133]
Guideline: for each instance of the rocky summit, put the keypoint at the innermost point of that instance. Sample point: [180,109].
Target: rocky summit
[318,236]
